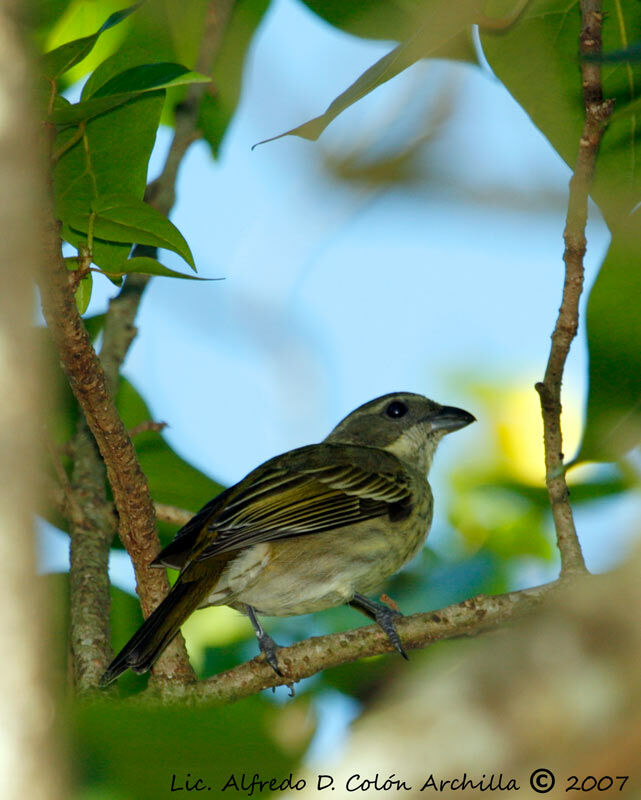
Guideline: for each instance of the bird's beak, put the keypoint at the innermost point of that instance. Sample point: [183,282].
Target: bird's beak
[450,419]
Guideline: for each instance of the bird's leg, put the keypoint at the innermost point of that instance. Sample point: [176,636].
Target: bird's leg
[383,615]
[265,642]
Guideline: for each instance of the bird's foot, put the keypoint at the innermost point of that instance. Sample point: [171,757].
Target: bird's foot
[384,616]
[268,647]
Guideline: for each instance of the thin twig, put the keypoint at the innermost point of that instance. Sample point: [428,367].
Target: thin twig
[597,112]
[172,514]
[148,425]
[59,500]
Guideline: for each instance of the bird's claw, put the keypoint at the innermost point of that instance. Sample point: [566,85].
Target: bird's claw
[385,618]
[269,649]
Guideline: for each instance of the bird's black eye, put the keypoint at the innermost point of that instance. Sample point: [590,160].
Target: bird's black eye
[396,409]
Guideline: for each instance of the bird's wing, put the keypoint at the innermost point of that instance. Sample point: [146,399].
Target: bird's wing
[310,490]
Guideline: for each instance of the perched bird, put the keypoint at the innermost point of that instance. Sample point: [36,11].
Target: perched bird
[314,528]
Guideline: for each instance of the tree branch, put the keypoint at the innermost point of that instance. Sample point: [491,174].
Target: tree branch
[91,530]
[597,112]
[306,658]
[89,384]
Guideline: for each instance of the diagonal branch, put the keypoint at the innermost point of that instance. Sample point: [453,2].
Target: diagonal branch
[88,382]
[597,113]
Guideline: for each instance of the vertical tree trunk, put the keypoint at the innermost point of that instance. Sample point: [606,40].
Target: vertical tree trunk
[29,764]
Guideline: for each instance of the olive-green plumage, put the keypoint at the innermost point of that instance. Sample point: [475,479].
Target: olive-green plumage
[310,529]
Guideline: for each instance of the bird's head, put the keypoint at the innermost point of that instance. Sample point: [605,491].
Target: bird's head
[408,425]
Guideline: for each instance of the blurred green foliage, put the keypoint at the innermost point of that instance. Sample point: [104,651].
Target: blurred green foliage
[145,751]
[613,422]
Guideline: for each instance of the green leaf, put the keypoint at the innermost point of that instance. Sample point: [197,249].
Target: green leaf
[123,218]
[630,110]
[44,15]
[453,19]
[146,77]
[102,163]
[111,156]
[613,422]
[86,109]
[56,62]
[388,20]
[124,87]
[78,112]
[109,256]
[401,57]
[83,293]
[121,61]
[172,30]
[376,19]
[548,32]
[149,266]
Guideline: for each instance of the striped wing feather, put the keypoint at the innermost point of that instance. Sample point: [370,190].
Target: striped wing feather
[295,500]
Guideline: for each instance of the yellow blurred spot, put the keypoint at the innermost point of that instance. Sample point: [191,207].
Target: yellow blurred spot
[216,626]
[516,414]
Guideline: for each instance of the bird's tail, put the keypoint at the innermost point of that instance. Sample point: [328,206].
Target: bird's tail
[157,630]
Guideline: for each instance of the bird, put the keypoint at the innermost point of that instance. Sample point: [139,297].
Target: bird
[314,528]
